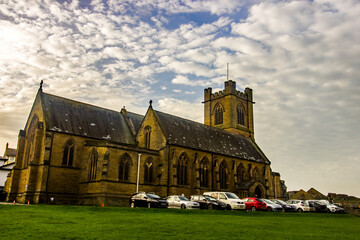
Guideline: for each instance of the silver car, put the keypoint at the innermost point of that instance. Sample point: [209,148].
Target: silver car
[176,201]
[271,206]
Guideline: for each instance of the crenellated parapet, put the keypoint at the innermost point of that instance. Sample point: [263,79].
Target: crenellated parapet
[230,89]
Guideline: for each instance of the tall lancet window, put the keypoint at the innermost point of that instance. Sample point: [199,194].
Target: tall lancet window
[240,115]
[93,160]
[147,130]
[182,170]
[218,114]
[124,167]
[68,155]
[148,171]
[204,173]
[223,172]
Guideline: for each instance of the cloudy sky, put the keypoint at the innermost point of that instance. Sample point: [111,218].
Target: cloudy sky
[301,58]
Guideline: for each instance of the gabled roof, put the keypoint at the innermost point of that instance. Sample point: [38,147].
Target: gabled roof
[301,195]
[316,194]
[10,152]
[68,116]
[187,133]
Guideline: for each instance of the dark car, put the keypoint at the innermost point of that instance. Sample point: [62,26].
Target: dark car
[317,206]
[149,200]
[286,207]
[208,202]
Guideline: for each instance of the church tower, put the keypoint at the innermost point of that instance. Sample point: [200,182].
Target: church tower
[230,109]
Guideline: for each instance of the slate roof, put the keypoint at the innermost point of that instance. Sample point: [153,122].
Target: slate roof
[135,119]
[68,116]
[187,133]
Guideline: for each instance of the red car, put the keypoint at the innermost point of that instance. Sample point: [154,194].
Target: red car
[254,204]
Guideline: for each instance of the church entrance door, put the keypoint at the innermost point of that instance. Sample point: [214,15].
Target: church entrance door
[258,192]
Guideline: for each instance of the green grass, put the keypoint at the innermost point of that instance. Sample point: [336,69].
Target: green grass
[81,222]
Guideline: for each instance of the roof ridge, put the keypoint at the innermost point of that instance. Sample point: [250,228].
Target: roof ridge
[88,104]
[203,124]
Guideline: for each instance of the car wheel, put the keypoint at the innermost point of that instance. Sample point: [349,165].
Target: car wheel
[210,207]
[149,205]
[253,209]
[300,210]
[132,205]
[328,210]
[283,210]
[228,207]
[269,209]
[183,206]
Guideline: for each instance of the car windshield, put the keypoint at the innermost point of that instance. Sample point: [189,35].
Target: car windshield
[210,198]
[325,202]
[281,201]
[267,201]
[183,198]
[153,196]
[231,196]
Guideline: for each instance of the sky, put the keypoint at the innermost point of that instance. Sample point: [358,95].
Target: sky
[301,58]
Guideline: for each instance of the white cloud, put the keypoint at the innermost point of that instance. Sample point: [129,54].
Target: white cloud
[180,79]
[181,108]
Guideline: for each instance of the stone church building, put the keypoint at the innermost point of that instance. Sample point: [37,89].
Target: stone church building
[75,153]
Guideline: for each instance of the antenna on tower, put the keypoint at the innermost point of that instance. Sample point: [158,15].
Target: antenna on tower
[227,72]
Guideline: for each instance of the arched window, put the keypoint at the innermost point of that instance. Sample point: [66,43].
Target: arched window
[204,173]
[240,115]
[182,170]
[30,141]
[218,114]
[68,155]
[148,171]
[93,159]
[255,173]
[124,167]
[240,172]
[147,130]
[223,175]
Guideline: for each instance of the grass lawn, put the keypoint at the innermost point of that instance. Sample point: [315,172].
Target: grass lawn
[82,222]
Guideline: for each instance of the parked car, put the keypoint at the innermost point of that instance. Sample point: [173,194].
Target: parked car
[208,202]
[331,208]
[271,206]
[150,200]
[254,204]
[300,205]
[286,207]
[230,199]
[317,206]
[176,201]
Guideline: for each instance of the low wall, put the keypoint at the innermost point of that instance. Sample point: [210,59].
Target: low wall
[355,211]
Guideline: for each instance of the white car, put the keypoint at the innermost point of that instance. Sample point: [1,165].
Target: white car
[332,208]
[271,206]
[300,205]
[232,201]
[176,201]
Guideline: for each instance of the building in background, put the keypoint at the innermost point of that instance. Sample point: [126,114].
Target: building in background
[6,164]
[76,153]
